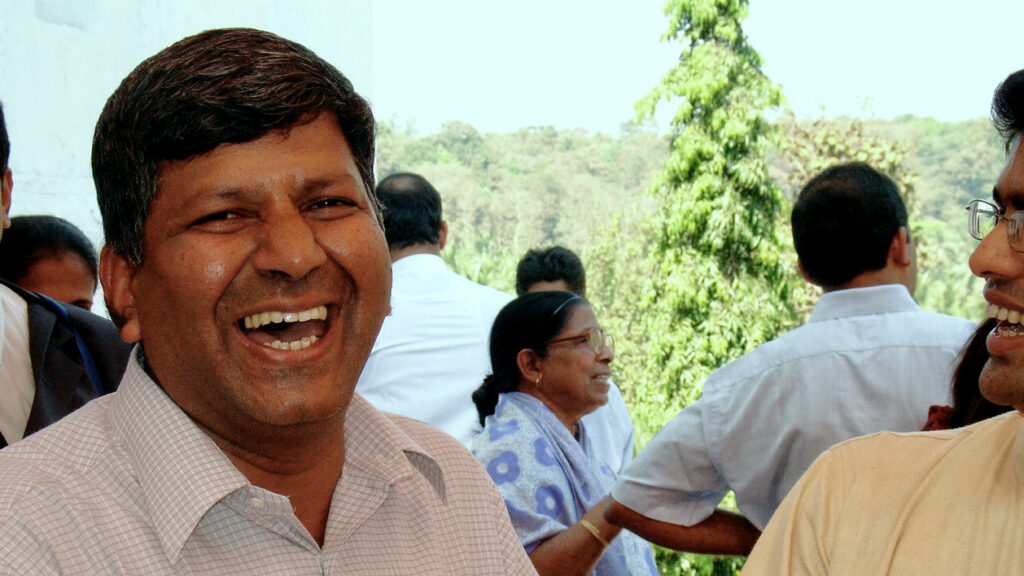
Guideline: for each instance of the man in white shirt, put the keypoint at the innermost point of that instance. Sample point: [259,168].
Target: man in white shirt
[431,353]
[869,359]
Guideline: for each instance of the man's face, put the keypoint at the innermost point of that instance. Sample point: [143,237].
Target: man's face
[265,281]
[1002,379]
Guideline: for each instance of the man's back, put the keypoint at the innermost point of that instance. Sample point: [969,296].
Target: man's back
[431,353]
[868,360]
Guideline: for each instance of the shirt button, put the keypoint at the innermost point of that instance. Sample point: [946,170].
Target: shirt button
[257,503]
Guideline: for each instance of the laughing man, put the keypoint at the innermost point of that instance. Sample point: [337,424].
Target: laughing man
[246,257]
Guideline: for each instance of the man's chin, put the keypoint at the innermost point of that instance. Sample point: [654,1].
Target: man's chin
[1001,382]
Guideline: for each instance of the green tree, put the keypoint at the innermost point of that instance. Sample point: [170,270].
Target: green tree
[720,285]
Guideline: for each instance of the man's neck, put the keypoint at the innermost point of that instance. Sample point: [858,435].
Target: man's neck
[306,471]
[871,278]
[400,253]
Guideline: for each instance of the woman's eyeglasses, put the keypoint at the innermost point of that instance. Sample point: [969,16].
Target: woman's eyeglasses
[595,337]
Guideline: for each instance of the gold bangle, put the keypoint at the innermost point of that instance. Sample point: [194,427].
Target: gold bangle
[589,526]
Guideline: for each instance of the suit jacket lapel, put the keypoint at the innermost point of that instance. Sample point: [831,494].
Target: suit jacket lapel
[57,373]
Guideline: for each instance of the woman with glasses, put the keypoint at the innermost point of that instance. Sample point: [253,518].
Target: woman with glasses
[550,364]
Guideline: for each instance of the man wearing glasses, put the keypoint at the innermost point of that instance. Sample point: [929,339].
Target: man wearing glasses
[931,503]
[868,359]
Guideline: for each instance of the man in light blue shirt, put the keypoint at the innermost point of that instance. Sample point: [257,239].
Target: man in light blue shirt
[869,359]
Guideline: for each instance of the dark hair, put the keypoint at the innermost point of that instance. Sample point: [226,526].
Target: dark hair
[969,406]
[524,323]
[550,265]
[1008,108]
[412,210]
[843,222]
[34,238]
[227,86]
[5,142]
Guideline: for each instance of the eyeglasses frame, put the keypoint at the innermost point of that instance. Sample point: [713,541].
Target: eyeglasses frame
[602,339]
[1015,222]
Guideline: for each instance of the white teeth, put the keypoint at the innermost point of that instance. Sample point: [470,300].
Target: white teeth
[259,319]
[1010,330]
[1009,320]
[302,344]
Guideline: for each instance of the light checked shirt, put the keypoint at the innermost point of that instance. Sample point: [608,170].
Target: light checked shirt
[130,485]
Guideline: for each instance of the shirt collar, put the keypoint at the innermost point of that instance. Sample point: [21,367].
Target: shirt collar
[385,452]
[884,299]
[183,474]
[419,262]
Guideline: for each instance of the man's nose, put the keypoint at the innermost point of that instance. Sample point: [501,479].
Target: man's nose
[288,245]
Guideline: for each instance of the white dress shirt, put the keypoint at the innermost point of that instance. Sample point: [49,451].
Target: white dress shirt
[17,385]
[432,350]
[869,359]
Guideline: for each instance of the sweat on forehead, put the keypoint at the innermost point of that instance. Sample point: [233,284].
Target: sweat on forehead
[223,86]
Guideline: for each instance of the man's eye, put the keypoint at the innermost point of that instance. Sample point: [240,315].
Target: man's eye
[331,202]
[215,217]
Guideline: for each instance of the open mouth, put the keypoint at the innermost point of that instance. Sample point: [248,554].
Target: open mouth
[1009,320]
[286,330]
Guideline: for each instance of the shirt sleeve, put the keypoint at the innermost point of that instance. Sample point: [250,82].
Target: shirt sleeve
[673,479]
[797,540]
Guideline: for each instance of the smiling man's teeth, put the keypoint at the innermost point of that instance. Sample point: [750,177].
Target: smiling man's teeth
[260,319]
[294,345]
[1009,320]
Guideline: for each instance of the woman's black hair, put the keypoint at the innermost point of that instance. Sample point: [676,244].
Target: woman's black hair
[33,238]
[527,322]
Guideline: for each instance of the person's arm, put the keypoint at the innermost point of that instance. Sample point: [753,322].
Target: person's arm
[575,550]
[721,533]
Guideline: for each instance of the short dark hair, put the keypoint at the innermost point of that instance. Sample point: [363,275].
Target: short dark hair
[227,86]
[844,221]
[527,322]
[5,142]
[412,210]
[34,238]
[551,265]
[1008,108]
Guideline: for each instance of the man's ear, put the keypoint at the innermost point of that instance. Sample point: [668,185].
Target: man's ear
[116,274]
[442,237]
[807,277]
[6,185]
[900,250]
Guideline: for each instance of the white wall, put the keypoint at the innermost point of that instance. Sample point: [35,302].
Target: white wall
[61,59]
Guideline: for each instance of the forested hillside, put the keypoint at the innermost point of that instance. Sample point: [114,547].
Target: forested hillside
[594,193]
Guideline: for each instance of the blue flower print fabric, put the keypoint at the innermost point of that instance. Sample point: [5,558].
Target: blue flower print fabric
[549,479]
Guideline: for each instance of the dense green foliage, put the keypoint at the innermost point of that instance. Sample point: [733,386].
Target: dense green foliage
[686,237]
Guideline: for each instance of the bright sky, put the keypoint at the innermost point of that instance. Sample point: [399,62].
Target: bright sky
[499,66]
[583,63]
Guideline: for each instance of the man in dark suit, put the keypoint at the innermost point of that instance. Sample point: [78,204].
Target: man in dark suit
[53,358]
